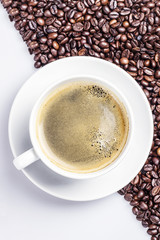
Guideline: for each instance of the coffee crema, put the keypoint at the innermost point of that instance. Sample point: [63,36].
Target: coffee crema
[82,127]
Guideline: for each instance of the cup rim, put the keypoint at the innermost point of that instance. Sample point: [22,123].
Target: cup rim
[50,164]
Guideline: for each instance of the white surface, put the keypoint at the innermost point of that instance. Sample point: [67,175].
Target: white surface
[116,177]
[25,211]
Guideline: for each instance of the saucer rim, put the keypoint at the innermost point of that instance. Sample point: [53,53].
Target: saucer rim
[44,69]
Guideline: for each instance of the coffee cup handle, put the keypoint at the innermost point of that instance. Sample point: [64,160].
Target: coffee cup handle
[25,159]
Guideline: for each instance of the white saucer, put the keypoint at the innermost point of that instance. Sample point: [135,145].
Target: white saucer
[82,190]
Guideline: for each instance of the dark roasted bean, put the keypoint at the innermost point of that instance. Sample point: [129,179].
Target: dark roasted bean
[78,27]
[40,21]
[52,35]
[113,4]
[104,2]
[154,219]
[114,14]
[106,10]
[13,12]
[6,3]
[155,159]
[125,11]
[141,194]
[157,74]
[135,210]
[157,199]
[105,28]
[145,223]
[143,206]
[33,45]
[32,25]
[47,13]
[152,231]
[37,64]
[80,6]
[44,59]
[148,167]
[103,44]
[55,45]
[61,51]
[128,196]
[53,9]
[54,52]
[124,60]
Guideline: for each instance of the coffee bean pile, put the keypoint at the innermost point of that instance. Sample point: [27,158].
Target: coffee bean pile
[125,32]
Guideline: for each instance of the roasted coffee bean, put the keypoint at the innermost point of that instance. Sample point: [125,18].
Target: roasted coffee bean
[140,215]
[78,27]
[104,2]
[132,68]
[106,10]
[128,196]
[52,35]
[40,21]
[154,238]
[6,3]
[57,23]
[124,61]
[32,25]
[152,231]
[135,210]
[126,24]
[44,59]
[94,22]
[125,11]
[37,64]
[145,223]
[54,52]
[33,45]
[148,167]
[143,28]
[82,52]
[126,53]
[148,71]
[103,44]
[50,29]
[143,206]
[105,28]
[155,159]
[13,12]
[61,51]
[123,38]
[157,74]
[55,45]
[140,194]
[53,9]
[80,6]
[154,219]
[43,40]
[49,21]
[113,14]
[33,3]
[158,151]
[135,180]
[157,199]
[113,4]
[47,13]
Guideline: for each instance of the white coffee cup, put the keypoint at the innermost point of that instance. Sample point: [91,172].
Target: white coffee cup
[36,152]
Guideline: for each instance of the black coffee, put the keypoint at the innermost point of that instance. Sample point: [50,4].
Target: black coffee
[82,127]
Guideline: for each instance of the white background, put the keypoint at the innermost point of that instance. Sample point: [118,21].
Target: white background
[27,213]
